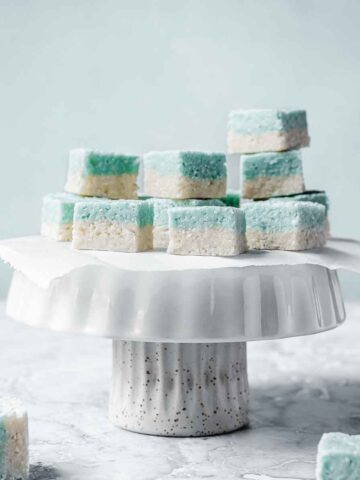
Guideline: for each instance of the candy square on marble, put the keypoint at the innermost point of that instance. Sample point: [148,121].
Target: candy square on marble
[270,174]
[14,441]
[98,174]
[206,231]
[267,130]
[180,175]
[115,225]
[285,225]
[338,457]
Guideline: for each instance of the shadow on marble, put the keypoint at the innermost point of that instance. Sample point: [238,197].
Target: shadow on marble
[39,471]
[313,406]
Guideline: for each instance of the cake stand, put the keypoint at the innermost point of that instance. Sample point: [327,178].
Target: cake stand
[179,335]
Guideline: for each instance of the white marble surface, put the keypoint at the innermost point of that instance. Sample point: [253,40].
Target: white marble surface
[300,388]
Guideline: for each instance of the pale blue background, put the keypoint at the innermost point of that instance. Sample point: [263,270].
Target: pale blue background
[140,75]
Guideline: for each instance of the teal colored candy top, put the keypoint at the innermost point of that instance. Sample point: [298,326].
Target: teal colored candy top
[266,120]
[337,442]
[232,198]
[162,205]
[196,165]
[120,211]
[2,446]
[90,162]
[271,164]
[311,196]
[59,207]
[189,218]
[282,216]
[338,457]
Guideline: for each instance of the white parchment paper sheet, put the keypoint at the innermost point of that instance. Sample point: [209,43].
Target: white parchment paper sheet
[43,260]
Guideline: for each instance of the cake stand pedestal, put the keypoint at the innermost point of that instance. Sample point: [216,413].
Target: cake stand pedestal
[179,338]
[179,389]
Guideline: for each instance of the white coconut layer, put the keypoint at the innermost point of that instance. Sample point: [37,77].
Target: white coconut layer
[206,241]
[296,239]
[161,236]
[111,236]
[264,187]
[57,231]
[109,186]
[180,187]
[267,142]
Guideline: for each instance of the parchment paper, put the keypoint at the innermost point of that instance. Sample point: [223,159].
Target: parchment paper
[43,260]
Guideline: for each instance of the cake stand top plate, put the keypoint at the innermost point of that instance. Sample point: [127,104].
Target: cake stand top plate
[163,298]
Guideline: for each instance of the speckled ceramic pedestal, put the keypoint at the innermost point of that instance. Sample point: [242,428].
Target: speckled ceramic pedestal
[179,389]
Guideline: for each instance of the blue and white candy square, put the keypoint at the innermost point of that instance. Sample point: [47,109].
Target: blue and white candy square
[338,457]
[267,130]
[285,225]
[271,174]
[207,231]
[57,215]
[314,196]
[161,206]
[114,225]
[101,174]
[179,175]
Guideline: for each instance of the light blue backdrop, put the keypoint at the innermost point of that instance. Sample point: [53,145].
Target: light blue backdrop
[140,75]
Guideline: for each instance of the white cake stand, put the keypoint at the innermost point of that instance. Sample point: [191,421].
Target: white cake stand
[179,337]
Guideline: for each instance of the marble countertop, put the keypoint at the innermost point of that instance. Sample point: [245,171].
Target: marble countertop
[300,388]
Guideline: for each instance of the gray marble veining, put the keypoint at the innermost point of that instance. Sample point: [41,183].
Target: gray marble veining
[299,389]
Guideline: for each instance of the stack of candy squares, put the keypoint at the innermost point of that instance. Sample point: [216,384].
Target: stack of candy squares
[185,206]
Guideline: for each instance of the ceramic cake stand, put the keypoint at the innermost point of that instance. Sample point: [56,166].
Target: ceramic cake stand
[179,337]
